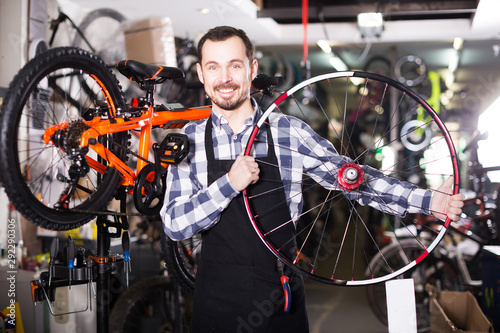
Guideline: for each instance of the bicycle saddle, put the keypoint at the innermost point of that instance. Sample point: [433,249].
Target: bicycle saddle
[145,73]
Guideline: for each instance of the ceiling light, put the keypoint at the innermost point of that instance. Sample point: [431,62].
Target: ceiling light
[324,45]
[370,24]
[458,43]
[338,64]
[496,50]
[205,10]
[454,58]
[449,79]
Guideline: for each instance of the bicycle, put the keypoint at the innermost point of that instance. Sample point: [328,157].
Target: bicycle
[56,94]
[64,152]
[453,265]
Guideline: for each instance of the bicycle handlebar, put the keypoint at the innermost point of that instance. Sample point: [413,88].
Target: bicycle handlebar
[263,81]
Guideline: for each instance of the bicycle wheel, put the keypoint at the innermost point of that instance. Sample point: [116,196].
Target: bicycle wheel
[48,92]
[182,259]
[378,65]
[332,183]
[103,31]
[149,305]
[437,270]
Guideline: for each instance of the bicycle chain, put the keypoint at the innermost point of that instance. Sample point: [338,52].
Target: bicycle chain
[129,151]
[109,213]
[114,213]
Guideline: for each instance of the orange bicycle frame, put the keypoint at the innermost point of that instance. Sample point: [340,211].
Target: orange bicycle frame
[148,119]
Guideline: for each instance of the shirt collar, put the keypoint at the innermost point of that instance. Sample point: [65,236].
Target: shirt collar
[218,119]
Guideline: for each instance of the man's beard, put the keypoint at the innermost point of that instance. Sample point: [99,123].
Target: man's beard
[228,104]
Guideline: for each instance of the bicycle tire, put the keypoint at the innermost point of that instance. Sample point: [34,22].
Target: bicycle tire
[440,272]
[137,308]
[110,46]
[181,260]
[378,65]
[33,171]
[177,91]
[331,241]
[274,64]
[104,36]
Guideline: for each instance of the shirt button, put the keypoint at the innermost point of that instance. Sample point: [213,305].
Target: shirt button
[235,137]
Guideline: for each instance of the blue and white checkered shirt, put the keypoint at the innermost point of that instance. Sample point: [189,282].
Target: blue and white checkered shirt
[191,205]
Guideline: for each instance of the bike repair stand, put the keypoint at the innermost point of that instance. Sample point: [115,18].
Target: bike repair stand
[81,266]
[107,265]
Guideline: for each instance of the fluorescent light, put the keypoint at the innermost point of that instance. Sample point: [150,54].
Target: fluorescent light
[454,58]
[324,45]
[458,43]
[338,64]
[335,61]
[449,79]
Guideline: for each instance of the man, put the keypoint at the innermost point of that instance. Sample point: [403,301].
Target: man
[237,283]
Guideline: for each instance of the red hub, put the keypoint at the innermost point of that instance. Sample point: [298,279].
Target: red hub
[350,176]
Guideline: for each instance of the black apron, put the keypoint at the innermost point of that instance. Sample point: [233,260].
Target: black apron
[238,286]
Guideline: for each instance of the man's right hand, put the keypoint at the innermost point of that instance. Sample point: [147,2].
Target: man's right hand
[245,171]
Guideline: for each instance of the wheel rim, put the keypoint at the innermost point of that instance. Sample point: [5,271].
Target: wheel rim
[188,255]
[336,236]
[57,96]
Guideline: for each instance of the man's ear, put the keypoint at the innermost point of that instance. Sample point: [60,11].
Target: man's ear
[200,72]
[254,67]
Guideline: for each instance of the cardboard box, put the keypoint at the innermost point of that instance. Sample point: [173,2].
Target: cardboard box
[151,41]
[456,311]
[490,262]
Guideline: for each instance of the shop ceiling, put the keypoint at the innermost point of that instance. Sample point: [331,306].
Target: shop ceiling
[420,27]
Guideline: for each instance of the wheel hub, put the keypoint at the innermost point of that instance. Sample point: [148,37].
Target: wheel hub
[350,176]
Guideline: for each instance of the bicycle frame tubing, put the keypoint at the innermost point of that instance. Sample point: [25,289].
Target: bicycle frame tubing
[149,118]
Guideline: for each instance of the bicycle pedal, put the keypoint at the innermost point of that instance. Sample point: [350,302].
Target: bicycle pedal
[174,148]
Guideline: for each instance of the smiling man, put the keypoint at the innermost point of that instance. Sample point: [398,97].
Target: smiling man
[238,286]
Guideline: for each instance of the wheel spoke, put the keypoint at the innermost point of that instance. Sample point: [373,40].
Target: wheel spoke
[358,142]
[54,91]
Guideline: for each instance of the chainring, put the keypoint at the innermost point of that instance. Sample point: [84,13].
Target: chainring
[148,194]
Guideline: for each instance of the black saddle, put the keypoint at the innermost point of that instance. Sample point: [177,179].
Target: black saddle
[148,74]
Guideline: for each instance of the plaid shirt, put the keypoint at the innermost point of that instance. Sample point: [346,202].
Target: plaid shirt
[191,205]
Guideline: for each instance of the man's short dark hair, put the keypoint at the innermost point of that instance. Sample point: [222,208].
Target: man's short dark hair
[222,33]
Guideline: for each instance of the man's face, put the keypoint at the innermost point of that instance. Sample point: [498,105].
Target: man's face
[226,72]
